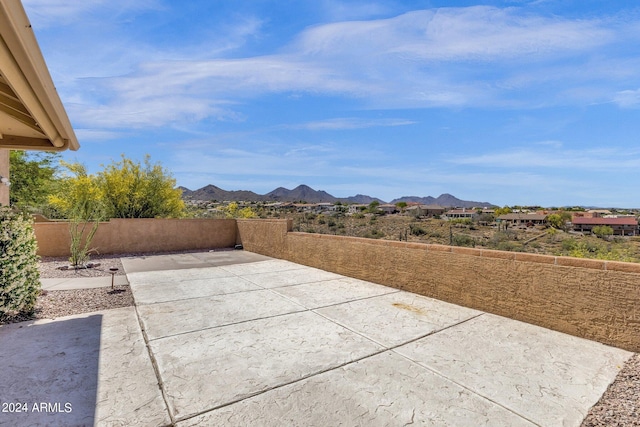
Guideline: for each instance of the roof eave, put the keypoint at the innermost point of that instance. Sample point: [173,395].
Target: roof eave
[25,70]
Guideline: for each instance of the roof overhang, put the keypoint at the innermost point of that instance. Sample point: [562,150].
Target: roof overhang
[32,116]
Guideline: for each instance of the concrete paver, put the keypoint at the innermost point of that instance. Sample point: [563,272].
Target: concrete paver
[547,377]
[380,391]
[208,312]
[95,367]
[397,318]
[329,292]
[214,367]
[189,260]
[148,293]
[277,279]
[264,267]
[175,276]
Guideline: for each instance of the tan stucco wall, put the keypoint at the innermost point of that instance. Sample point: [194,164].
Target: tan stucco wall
[593,299]
[4,171]
[141,235]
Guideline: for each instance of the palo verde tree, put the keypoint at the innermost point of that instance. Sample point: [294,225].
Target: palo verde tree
[132,189]
[559,220]
[602,231]
[232,210]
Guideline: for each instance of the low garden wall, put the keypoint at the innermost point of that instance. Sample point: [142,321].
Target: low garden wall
[593,299]
[141,235]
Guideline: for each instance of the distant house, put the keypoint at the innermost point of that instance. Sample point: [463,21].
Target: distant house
[622,226]
[593,213]
[461,214]
[388,208]
[324,207]
[426,211]
[304,207]
[528,220]
[356,207]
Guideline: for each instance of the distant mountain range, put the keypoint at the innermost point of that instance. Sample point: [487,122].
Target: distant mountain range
[445,200]
[309,195]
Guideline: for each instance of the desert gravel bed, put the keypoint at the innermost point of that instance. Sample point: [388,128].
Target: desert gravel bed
[618,407]
[50,268]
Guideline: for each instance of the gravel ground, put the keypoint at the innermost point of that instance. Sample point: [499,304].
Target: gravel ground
[54,268]
[618,407]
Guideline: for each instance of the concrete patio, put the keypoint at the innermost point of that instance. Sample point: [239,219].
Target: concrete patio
[236,338]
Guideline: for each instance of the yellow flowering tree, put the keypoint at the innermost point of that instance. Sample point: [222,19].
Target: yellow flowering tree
[78,194]
[232,210]
[140,190]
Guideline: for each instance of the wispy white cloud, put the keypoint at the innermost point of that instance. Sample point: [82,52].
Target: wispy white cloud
[350,123]
[383,63]
[45,13]
[628,98]
[588,159]
[456,34]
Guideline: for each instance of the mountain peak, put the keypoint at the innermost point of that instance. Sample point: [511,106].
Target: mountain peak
[305,193]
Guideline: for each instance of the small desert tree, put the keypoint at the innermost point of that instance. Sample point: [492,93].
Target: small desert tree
[232,210]
[140,190]
[602,231]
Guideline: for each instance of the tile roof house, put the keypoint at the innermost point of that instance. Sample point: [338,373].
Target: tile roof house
[428,211]
[523,219]
[622,226]
[460,214]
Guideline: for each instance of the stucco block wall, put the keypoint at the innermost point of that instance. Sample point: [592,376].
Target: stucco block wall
[141,235]
[593,299]
[4,171]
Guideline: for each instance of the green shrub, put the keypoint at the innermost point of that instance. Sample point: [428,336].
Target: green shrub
[19,275]
[374,234]
[416,230]
[463,240]
[569,244]
[509,246]
[602,231]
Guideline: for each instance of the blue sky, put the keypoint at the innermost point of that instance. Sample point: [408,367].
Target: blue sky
[510,102]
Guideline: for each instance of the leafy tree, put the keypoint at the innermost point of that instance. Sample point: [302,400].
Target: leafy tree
[559,220]
[32,177]
[135,190]
[78,194]
[555,221]
[502,211]
[373,206]
[232,210]
[602,231]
